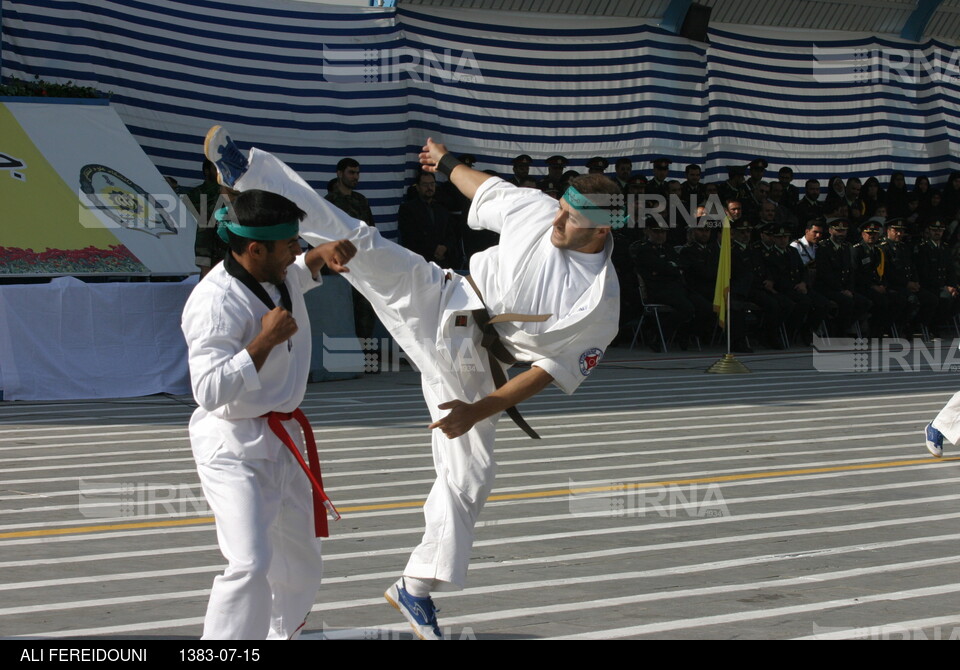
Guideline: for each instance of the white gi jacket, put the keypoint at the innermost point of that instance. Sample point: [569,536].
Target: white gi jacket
[512,276]
[220,319]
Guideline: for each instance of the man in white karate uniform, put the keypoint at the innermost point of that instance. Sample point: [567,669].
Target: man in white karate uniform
[248,338]
[549,287]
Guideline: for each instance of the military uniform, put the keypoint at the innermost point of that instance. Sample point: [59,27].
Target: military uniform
[523,160]
[597,165]
[758,165]
[746,288]
[869,269]
[934,272]
[699,263]
[659,186]
[900,275]
[729,190]
[659,266]
[807,210]
[779,309]
[697,191]
[554,180]
[791,194]
[835,281]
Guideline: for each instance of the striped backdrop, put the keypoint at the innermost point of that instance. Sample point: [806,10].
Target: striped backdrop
[313,84]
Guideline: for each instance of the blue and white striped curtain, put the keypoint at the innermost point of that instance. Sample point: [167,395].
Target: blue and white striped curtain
[314,84]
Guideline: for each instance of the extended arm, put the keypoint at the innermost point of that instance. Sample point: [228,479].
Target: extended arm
[466,179]
[463,415]
[334,255]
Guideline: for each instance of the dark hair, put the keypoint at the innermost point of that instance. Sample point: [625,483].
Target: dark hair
[601,191]
[417,178]
[622,161]
[256,209]
[347,163]
[595,184]
[692,166]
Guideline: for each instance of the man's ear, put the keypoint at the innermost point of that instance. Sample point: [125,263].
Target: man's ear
[256,249]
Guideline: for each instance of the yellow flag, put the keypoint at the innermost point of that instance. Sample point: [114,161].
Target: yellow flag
[722,292]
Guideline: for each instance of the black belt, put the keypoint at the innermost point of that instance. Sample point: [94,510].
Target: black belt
[496,351]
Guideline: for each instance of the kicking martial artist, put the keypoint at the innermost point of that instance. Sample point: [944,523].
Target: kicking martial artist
[547,295]
[248,338]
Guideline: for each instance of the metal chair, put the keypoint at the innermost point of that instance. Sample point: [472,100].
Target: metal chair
[649,309]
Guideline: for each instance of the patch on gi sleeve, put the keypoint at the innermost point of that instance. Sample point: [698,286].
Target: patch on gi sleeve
[460,321]
[589,360]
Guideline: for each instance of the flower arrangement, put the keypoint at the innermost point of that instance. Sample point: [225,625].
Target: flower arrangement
[116,259]
[47,89]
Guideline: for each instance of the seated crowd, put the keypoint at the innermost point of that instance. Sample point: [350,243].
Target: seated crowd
[862,259]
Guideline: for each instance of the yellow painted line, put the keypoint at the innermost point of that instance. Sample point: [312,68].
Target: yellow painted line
[49,532]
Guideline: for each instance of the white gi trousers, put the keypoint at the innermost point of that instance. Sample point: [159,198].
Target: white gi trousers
[265,528]
[414,300]
[948,420]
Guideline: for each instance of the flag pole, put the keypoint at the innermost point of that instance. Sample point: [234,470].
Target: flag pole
[728,363]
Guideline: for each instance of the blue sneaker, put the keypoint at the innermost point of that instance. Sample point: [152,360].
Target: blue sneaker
[420,612]
[934,440]
[230,161]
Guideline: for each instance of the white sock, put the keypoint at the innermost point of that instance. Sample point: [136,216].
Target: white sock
[418,588]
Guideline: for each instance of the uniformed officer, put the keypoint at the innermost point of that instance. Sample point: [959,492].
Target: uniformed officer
[791,194]
[521,169]
[757,208]
[470,241]
[772,271]
[809,207]
[749,284]
[700,258]
[554,180]
[758,168]
[658,183]
[699,261]
[597,165]
[901,276]
[936,277]
[835,278]
[658,265]
[734,188]
[869,272]
[623,238]
[624,171]
[693,188]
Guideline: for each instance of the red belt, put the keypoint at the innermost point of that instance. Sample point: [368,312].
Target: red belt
[321,503]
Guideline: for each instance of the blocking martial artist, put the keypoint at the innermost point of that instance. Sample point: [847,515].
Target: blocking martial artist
[552,285]
[250,358]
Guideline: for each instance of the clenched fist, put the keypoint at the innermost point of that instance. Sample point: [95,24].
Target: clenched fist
[278,325]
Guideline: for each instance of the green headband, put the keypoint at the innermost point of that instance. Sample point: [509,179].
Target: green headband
[599,215]
[280,231]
